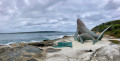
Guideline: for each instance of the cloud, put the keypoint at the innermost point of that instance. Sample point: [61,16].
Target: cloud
[58,15]
[112,5]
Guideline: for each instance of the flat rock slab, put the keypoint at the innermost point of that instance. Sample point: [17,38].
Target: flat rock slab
[34,50]
[21,53]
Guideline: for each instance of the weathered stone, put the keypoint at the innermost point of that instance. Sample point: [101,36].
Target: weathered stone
[27,55]
[1,59]
[32,59]
[51,50]
[66,36]
[34,50]
[109,53]
[4,49]
[19,53]
[42,44]
[11,59]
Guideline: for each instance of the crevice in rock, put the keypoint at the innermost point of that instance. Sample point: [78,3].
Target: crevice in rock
[95,53]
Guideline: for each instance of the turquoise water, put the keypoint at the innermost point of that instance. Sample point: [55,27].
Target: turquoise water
[31,37]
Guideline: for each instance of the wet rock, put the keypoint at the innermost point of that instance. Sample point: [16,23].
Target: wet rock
[42,44]
[1,45]
[32,59]
[66,36]
[46,40]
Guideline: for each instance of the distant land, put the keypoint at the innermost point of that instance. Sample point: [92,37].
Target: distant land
[33,32]
[114,30]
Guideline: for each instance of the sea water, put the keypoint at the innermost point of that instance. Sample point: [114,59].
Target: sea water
[8,38]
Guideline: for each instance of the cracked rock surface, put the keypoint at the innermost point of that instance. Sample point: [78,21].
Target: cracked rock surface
[103,50]
[21,53]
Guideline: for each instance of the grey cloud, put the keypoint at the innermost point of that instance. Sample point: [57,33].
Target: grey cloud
[29,15]
[112,5]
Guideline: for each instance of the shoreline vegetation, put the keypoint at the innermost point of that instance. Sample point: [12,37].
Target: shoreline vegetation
[114,30]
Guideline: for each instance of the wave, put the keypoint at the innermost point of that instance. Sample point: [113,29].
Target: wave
[7,39]
[10,43]
[34,32]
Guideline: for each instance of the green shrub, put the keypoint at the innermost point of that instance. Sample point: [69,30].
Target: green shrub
[114,30]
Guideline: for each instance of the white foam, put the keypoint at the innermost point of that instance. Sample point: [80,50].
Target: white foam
[10,43]
[61,36]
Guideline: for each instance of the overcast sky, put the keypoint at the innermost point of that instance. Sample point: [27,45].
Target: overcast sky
[55,15]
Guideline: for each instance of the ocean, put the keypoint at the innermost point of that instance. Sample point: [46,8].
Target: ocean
[8,38]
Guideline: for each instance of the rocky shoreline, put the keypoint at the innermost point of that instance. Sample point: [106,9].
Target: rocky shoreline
[43,51]
[32,51]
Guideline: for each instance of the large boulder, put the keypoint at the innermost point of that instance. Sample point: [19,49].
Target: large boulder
[108,53]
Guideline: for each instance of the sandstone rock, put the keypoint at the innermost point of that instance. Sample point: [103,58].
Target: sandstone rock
[108,53]
[105,53]
[21,53]
[42,44]
[51,50]
[32,60]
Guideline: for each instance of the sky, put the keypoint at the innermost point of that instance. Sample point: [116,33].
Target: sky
[55,15]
